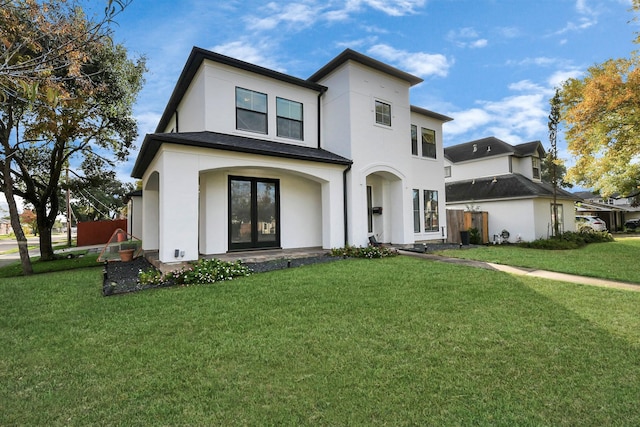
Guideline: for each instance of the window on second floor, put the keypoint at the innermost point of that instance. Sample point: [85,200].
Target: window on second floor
[414,140]
[251,110]
[428,143]
[536,167]
[447,171]
[289,115]
[383,113]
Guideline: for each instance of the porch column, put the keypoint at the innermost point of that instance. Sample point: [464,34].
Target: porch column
[179,208]
[332,213]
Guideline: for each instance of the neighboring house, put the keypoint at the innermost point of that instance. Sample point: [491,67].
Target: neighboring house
[612,210]
[5,226]
[245,158]
[504,180]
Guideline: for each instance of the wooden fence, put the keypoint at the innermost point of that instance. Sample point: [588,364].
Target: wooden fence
[458,220]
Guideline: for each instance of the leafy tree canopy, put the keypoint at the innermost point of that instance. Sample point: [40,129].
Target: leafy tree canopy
[601,112]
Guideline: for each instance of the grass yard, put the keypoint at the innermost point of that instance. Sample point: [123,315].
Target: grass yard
[396,341]
[619,260]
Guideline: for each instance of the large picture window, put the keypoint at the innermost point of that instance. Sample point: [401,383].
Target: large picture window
[428,143]
[251,110]
[289,115]
[383,113]
[431,222]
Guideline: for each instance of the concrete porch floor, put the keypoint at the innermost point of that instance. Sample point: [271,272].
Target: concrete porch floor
[244,256]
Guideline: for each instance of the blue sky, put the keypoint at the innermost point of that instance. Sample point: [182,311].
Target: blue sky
[492,65]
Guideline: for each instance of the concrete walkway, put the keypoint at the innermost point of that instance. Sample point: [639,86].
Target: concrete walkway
[521,271]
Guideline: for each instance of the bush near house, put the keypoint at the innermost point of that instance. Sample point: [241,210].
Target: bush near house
[204,272]
[364,252]
[569,240]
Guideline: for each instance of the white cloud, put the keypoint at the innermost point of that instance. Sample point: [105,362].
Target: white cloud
[418,63]
[466,37]
[466,121]
[561,76]
[275,15]
[259,53]
[390,7]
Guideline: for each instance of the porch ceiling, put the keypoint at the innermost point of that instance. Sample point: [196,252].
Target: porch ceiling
[220,141]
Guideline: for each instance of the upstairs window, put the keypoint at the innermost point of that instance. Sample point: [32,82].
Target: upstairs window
[536,167]
[414,140]
[447,171]
[289,115]
[383,113]
[251,110]
[428,143]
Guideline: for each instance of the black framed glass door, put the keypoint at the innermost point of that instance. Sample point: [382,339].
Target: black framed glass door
[254,213]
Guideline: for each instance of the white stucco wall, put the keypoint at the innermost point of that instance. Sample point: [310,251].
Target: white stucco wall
[193,199]
[209,104]
[527,219]
[134,216]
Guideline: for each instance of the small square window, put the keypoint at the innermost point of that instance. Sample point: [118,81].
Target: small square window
[447,171]
[251,110]
[383,113]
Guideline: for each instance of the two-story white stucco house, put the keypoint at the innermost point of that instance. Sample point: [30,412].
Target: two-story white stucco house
[247,158]
[504,180]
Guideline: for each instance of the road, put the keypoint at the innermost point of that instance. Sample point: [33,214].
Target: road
[9,253]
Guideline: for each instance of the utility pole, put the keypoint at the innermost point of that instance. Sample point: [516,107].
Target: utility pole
[68,211]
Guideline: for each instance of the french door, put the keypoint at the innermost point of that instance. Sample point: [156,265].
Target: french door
[254,213]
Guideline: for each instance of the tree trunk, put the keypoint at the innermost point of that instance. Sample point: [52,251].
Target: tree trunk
[15,219]
[44,230]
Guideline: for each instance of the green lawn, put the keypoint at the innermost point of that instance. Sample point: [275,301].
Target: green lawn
[619,260]
[397,341]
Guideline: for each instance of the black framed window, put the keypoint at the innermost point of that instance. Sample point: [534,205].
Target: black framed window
[251,110]
[289,114]
[414,140]
[383,113]
[369,209]
[254,213]
[428,143]
[431,222]
[416,211]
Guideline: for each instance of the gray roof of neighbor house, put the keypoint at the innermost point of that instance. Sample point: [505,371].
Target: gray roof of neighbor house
[198,55]
[352,55]
[235,143]
[510,186]
[490,147]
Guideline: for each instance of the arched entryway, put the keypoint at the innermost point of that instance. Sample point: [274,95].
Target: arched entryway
[384,206]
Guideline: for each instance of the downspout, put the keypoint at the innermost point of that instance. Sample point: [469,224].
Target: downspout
[319,117]
[177,125]
[346,212]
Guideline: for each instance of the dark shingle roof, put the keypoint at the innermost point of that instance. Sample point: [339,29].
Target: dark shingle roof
[352,55]
[511,186]
[220,141]
[490,147]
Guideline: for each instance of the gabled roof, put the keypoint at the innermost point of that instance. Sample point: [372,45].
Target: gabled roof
[491,147]
[198,55]
[352,55]
[234,143]
[510,186]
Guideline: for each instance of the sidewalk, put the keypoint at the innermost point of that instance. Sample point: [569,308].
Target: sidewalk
[521,271]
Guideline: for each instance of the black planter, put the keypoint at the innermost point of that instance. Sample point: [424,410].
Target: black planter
[464,238]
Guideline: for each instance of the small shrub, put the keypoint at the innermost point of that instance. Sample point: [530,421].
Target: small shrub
[203,272]
[569,240]
[474,236]
[364,252]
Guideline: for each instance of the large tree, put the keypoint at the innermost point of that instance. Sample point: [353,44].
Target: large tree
[99,196]
[601,112]
[76,105]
